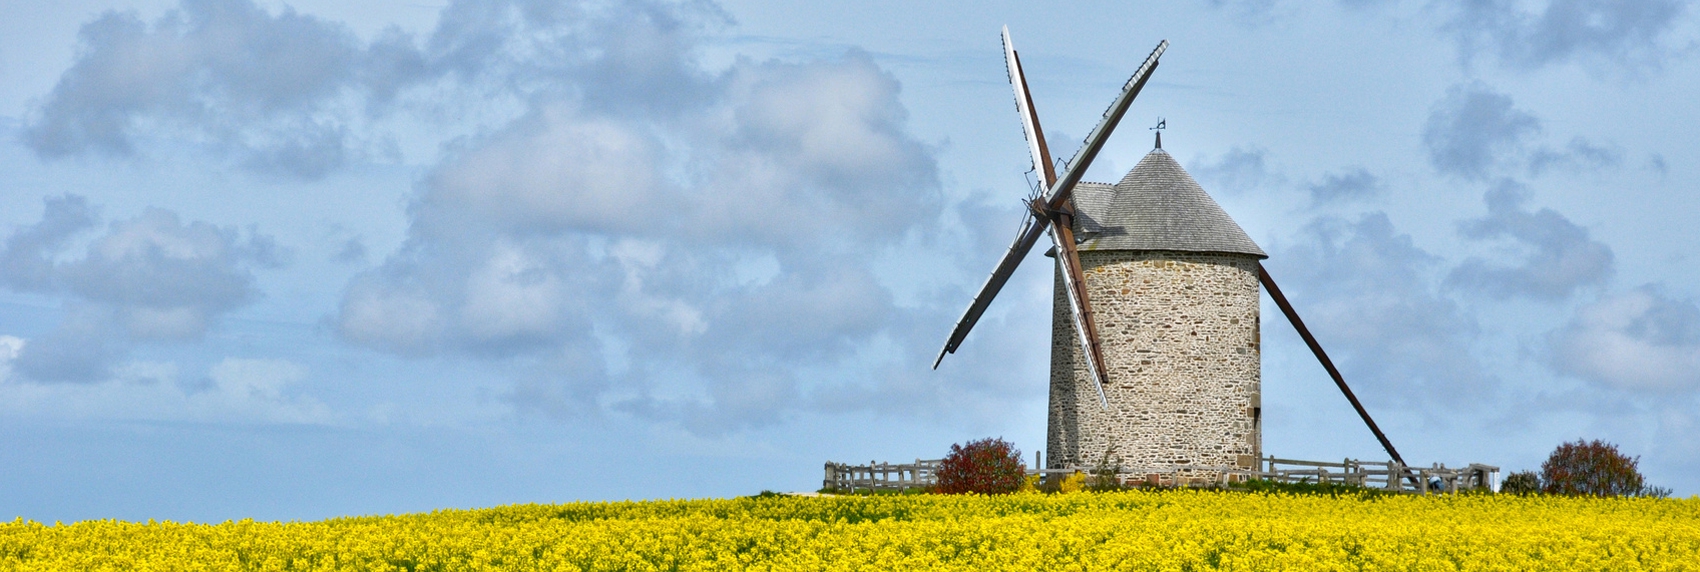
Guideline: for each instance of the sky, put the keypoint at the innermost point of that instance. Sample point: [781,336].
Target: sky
[297,260]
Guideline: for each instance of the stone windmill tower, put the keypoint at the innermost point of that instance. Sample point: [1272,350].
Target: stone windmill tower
[1156,353]
[1174,289]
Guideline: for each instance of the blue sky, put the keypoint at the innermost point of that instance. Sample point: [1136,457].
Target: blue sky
[300,260]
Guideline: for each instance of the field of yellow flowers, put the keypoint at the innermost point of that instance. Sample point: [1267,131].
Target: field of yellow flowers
[1135,530]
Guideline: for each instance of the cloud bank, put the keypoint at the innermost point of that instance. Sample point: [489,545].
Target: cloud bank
[276,93]
[1633,35]
[1557,256]
[1474,131]
[1641,341]
[152,278]
[694,246]
[1370,295]
[620,228]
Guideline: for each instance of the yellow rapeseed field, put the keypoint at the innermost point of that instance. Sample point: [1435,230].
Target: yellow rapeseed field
[1162,530]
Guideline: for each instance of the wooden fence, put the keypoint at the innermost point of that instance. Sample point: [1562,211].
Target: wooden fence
[1388,476]
[1383,475]
[880,476]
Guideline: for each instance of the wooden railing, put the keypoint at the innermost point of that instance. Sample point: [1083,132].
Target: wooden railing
[1388,476]
[880,476]
[1382,475]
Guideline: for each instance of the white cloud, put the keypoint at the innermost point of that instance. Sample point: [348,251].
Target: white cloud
[234,390]
[512,294]
[1477,134]
[151,278]
[1578,155]
[9,348]
[393,317]
[558,169]
[147,372]
[1357,183]
[1629,34]
[1474,131]
[1558,256]
[1642,340]
[255,379]
[1372,296]
[582,224]
[274,91]
[638,258]
[1239,170]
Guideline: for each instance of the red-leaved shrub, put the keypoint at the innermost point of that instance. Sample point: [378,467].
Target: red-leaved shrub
[1591,469]
[988,466]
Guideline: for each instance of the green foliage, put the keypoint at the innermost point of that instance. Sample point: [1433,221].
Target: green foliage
[988,466]
[876,492]
[1103,477]
[1593,468]
[1521,483]
[1306,488]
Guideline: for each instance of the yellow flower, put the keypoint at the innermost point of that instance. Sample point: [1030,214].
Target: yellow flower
[1073,484]
[1130,530]
[1030,484]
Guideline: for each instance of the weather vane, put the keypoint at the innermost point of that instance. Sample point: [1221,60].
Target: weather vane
[1161,125]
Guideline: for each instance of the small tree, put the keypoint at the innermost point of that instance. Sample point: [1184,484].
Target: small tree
[1591,469]
[1521,483]
[988,466]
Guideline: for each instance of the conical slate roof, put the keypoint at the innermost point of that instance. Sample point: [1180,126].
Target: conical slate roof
[1157,206]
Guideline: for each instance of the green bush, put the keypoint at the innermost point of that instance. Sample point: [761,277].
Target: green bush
[1521,483]
[1329,489]
[988,466]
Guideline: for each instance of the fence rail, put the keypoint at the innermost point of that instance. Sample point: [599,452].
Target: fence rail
[881,476]
[1388,476]
[1383,475]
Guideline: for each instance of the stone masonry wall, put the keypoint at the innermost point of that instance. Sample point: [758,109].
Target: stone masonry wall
[1180,335]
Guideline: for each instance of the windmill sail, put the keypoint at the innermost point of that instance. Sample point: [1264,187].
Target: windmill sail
[1074,282]
[1024,240]
[1061,232]
[1056,195]
[1029,118]
[1064,187]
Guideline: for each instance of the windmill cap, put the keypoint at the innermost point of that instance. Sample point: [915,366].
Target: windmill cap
[1157,206]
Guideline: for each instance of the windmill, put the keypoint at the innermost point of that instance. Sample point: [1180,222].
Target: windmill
[1157,225]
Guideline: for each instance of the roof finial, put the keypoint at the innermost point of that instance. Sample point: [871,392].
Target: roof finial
[1161,124]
